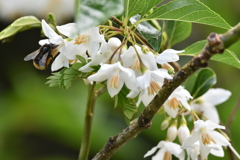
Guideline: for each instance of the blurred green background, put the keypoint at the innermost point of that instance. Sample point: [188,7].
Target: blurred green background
[42,123]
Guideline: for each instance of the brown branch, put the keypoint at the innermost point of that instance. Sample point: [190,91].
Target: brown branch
[216,44]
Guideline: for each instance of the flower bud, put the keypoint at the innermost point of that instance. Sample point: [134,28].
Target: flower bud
[165,123]
[183,131]
[168,67]
[172,131]
[145,49]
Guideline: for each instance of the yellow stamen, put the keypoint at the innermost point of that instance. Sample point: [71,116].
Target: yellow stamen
[206,139]
[81,39]
[153,88]
[114,82]
[167,156]
[136,65]
[174,103]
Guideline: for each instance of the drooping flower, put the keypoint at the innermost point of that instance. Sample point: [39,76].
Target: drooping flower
[116,75]
[168,55]
[166,150]
[207,102]
[132,57]
[105,52]
[179,98]
[80,43]
[149,84]
[209,140]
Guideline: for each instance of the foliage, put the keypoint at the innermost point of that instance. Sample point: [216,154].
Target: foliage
[149,28]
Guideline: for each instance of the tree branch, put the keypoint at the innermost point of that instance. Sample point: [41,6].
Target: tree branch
[216,44]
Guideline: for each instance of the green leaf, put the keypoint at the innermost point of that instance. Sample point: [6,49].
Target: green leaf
[150,33]
[200,82]
[149,5]
[128,105]
[81,59]
[227,57]
[135,7]
[64,78]
[177,31]
[189,11]
[21,24]
[140,6]
[91,13]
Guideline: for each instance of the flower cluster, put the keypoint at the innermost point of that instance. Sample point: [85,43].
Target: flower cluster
[143,72]
[206,137]
[135,66]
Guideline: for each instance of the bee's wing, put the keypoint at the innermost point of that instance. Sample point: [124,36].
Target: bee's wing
[32,55]
[43,61]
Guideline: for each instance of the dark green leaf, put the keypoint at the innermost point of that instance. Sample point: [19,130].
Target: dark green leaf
[91,13]
[227,57]
[177,31]
[189,11]
[21,24]
[150,33]
[203,80]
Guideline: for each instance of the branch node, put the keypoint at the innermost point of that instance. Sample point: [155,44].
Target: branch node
[112,140]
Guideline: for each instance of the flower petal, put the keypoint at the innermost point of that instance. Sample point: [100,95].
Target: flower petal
[211,125]
[170,111]
[219,138]
[204,150]
[191,140]
[173,148]
[67,29]
[216,96]
[50,33]
[59,62]
[150,152]
[113,91]
[210,112]
[168,55]
[217,151]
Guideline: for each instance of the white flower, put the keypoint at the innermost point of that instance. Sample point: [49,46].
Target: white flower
[116,76]
[208,138]
[207,102]
[168,55]
[106,51]
[166,150]
[54,38]
[61,60]
[149,84]
[132,59]
[87,41]
[177,99]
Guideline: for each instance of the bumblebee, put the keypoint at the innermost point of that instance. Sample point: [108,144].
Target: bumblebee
[43,56]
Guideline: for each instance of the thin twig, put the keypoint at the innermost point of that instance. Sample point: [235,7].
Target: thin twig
[232,115]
